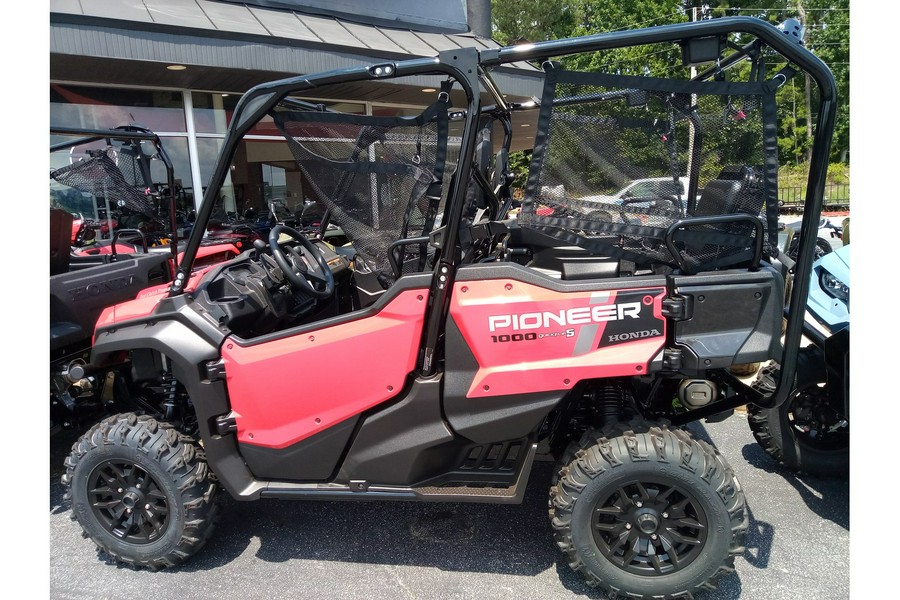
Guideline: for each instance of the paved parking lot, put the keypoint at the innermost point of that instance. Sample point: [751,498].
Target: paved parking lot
[797,547]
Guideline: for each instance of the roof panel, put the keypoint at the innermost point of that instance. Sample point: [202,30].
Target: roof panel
[281,25]
[230,17]
[178,12]
[330,30]
[65,6]
[111,9]
[438,41]
[373,37]
[409,42]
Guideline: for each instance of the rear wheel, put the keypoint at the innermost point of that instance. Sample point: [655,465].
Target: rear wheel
[141,491]
[648,512]
[807,432]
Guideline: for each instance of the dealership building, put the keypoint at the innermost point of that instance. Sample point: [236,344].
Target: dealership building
[179,67]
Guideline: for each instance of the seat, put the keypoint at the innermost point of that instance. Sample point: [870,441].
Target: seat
[720,197]
[60,240]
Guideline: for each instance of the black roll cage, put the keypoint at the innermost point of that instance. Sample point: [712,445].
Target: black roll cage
[132,134]
[470,68]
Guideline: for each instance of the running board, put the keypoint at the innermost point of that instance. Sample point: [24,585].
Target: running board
[361,490]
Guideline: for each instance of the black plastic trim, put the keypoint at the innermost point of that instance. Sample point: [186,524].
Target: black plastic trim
[482,271]
[312,459]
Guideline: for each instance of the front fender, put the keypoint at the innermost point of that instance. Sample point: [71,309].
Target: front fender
[189,341]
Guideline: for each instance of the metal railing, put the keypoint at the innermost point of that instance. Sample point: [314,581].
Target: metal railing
[836,197]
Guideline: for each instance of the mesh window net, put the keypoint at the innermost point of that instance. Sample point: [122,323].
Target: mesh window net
[614,157]
[381,178]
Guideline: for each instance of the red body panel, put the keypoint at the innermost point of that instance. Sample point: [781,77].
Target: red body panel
[144,303]
[531,339]
[288,389]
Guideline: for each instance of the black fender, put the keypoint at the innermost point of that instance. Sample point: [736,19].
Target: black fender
[191,341]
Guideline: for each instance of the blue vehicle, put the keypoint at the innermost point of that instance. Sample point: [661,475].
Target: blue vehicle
[810,432]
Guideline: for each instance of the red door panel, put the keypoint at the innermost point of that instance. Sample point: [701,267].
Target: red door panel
[286,390]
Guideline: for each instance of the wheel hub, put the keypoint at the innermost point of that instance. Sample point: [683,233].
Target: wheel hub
[647,520]
[132,498]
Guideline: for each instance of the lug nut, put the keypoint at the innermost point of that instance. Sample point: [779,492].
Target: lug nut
[121,490]
[665,515]
[639,504]
[653,536]
[146,507]
[627,525]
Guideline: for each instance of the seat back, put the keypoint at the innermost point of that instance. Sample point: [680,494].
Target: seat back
[719,197]
[60,240]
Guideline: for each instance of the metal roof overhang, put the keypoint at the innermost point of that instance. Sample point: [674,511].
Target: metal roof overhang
[98,50]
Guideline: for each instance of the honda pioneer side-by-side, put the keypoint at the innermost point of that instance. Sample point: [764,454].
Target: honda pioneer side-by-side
[448,343]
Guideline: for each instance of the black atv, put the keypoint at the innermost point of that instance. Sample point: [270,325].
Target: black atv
[455,343]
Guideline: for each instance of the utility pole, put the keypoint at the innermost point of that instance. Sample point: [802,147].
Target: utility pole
[801,13]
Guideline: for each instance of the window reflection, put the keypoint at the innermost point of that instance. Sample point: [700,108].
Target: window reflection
[106,108]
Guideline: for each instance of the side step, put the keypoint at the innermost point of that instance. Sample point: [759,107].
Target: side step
[361,490]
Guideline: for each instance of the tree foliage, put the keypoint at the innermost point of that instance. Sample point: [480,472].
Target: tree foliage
[827,36]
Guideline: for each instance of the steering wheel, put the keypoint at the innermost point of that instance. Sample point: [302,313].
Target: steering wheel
[301,273]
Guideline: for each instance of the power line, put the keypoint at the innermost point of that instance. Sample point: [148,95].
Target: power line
[786,8]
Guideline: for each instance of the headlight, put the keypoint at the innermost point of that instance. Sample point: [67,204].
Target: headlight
[834,286]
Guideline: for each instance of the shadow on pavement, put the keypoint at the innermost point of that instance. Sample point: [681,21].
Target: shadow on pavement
[826,497]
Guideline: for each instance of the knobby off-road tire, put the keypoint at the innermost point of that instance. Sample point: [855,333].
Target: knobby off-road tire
[796,433]
[644,511]
[141,491]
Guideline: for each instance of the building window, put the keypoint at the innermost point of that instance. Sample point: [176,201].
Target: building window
[107,108]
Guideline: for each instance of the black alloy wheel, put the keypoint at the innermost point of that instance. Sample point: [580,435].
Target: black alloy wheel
[650,527]
[810,431]
[128,501]
[142,491]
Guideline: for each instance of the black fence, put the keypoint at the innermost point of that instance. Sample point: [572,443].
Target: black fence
[837,197]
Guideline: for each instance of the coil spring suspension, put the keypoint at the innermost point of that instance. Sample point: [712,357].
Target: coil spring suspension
[611,400]
[170,391]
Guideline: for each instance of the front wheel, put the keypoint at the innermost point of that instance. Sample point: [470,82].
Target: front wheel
[645,511]
[808,432]
[141,491]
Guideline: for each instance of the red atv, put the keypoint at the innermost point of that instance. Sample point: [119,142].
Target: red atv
[435,357]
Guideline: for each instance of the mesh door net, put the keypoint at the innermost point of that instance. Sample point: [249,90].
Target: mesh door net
[615,157]
[112,174]
[379,177]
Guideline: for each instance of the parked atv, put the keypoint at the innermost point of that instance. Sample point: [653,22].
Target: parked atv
[456,344]
[829,237]
[88,278]
[810,432]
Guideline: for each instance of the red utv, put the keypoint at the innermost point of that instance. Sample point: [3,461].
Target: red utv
[448,346]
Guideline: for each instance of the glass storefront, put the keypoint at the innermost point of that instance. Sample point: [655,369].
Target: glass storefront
[262,178]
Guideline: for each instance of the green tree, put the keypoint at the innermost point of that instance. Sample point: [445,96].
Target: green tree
[827,24]
[827,36]
[521,21]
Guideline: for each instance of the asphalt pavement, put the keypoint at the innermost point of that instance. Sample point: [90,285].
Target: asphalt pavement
[798,545]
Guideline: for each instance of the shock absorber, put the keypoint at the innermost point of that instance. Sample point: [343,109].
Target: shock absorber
[169,406]
[611,401]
